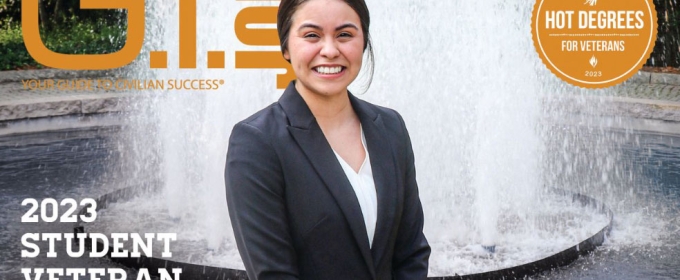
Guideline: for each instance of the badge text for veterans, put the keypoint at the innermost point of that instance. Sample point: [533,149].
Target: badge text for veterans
[594,20]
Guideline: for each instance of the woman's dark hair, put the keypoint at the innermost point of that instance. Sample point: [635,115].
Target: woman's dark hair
[284,20]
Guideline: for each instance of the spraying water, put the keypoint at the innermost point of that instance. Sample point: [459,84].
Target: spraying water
[475,98]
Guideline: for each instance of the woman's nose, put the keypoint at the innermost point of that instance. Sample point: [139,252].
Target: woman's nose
[330,48]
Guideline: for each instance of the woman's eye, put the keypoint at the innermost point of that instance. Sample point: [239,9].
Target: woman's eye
[311,35]
[345,34]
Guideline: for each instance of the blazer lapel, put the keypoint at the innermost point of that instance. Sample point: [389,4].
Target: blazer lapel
[310,138]
[384,174]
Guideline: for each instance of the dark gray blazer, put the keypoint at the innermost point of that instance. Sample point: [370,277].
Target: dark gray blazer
[294,212]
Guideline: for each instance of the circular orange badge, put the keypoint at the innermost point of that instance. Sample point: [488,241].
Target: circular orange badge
[594,43]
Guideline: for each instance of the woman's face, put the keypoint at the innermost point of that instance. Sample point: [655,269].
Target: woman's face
[325,46]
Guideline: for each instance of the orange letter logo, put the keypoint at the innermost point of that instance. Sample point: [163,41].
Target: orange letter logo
[261,37]
[133,44]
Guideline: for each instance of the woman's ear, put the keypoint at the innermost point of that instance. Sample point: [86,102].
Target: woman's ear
[286,55]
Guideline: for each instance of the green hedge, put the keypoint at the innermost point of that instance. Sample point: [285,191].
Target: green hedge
[74,37]
[13,53]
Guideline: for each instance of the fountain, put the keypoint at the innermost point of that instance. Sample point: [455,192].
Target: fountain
[478,143]
[491,138]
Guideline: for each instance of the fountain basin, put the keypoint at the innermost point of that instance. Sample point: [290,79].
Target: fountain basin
[193,269]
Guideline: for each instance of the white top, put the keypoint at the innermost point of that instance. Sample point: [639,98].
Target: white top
[364,188]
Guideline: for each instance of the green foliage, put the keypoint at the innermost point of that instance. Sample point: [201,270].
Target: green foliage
[10,11]
[13,53]
[54,13]
[72,37]
[85,38]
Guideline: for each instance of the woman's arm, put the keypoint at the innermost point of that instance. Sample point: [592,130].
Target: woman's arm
[255,196]
[411,252]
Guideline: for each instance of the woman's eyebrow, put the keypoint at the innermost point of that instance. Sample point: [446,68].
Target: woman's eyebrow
[346,25]
[314,26]
[309,25]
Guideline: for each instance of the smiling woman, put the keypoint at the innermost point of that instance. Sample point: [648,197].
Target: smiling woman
[322,185]
[325,49]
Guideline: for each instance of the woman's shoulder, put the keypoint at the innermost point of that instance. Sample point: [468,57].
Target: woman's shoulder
[385,112]
[266,118]
[264,126]
[389,117]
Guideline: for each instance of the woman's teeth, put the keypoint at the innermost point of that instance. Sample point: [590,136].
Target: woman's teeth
[329,70]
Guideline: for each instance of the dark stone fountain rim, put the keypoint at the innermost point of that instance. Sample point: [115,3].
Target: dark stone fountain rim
[195,271]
